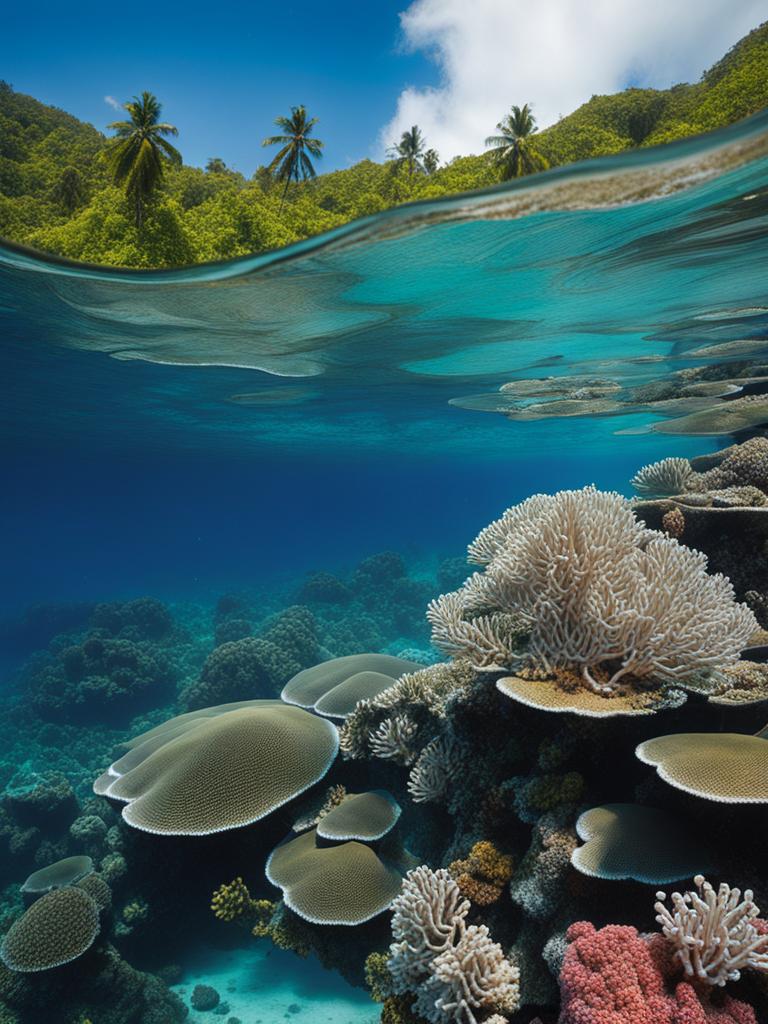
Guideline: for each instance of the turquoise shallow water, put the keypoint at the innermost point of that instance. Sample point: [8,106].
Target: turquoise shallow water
[264,985]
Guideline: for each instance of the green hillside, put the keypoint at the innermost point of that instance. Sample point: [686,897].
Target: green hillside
[55,191]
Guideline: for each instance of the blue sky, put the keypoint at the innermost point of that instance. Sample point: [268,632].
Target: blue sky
[223,72]
[368,69]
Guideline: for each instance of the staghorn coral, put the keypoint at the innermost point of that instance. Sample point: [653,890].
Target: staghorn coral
[600,594]
[453,967]
[482,875]
[232,900]
[438,764]
[660,479]
[714,934]
[393,739]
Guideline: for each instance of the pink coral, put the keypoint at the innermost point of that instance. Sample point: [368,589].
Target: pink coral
[613,976]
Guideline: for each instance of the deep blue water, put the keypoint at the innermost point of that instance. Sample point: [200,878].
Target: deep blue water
[173,432]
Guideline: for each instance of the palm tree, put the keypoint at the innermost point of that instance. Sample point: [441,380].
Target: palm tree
[216,165]
[137,155]
[512,146]
[292,162]
[409,151]
[431,161]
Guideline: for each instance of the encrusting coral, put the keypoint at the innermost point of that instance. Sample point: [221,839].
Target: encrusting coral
[715,934]
[453,968]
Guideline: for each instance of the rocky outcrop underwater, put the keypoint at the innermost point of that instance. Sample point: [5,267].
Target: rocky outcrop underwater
[557,812]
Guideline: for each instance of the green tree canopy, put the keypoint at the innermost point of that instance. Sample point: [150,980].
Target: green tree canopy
[138,152]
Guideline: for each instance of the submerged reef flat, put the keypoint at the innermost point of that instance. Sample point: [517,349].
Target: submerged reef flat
[528,786]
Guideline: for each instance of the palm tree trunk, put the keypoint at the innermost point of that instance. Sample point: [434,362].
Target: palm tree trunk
[139,211]
[285,193]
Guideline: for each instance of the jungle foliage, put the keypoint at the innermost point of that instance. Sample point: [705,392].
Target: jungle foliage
[58,192]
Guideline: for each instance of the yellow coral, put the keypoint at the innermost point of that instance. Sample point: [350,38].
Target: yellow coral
[263,909]
[377,976]
[481,877]
[232,900]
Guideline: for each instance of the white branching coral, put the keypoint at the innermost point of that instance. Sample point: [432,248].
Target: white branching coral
[660,479]
[393,739]
[599,594]
[455,968]
[472,974]
[438,763]
[714,933]
[427,918]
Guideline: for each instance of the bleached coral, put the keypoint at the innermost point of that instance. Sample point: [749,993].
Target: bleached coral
[393,739]
[473,974]
[714,933]
[427,918]
[599,593]
[438,763]
[455,968]
[660,479]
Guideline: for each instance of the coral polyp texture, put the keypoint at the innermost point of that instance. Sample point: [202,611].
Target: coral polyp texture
[723,766]
[644,843]
[346,883]
[55,876]
[223,771]
[453,969]
[57,928]
[438,764]
[715,933]
[596,594]
[363,816]
[311,685]
[660,479]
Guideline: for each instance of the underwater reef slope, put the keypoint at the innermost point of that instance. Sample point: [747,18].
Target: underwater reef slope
[524,829]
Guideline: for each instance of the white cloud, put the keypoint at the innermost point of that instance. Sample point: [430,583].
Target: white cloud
[554,54]
[112,102]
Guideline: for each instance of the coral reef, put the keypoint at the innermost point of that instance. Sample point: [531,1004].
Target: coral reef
[100,676]
[253,667]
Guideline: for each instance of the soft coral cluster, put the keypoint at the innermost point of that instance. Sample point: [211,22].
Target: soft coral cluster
[613,976]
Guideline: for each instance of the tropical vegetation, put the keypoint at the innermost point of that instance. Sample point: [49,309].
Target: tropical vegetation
[128,200]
